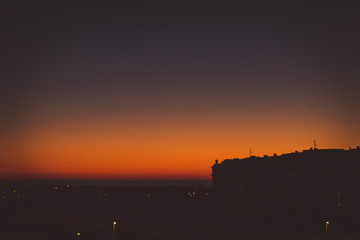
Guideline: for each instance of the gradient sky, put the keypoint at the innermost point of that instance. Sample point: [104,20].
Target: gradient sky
[160,89]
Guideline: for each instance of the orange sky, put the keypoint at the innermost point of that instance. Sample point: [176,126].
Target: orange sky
[167,146]
[153,91]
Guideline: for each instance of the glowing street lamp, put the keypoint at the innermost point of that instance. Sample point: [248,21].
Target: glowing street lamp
[326,228]
[114,228]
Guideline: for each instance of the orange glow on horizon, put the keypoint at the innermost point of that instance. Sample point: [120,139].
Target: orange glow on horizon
[183,148]
[160,91]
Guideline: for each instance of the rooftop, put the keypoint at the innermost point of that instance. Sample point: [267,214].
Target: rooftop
[310,154]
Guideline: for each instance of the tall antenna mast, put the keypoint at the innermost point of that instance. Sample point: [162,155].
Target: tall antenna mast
[314,144]
[250,151]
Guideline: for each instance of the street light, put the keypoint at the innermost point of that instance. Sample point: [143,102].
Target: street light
[326,228]
[114,227]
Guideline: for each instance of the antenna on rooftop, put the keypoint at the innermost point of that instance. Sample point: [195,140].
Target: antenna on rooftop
[250,151]
[314,144]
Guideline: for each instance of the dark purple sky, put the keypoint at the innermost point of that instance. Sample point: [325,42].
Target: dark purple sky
[154,59]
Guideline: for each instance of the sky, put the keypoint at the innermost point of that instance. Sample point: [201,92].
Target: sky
[160,89]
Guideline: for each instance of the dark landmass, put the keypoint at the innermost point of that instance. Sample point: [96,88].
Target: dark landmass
[308,195]
[64,211]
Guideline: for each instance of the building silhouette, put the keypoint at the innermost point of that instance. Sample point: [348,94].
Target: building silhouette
[314,192]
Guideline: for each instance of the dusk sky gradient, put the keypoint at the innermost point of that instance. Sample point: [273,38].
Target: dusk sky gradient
[160,89]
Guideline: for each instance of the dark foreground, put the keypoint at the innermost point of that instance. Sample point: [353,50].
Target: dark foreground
[172,212]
